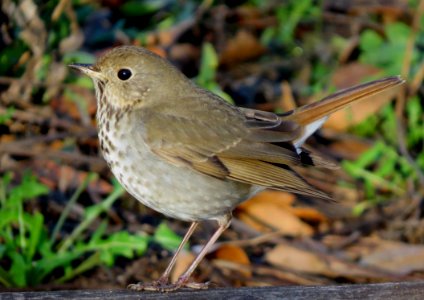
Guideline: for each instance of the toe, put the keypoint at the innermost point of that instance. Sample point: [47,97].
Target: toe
[197,285]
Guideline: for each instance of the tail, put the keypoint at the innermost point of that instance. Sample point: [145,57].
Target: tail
[312,112]
[312,116]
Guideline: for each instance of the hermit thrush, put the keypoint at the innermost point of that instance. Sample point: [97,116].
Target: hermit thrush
[190,155]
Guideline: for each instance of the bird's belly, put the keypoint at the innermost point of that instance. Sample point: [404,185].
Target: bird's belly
[175,191]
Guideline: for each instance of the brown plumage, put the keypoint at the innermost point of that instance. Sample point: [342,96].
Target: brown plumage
[187,153]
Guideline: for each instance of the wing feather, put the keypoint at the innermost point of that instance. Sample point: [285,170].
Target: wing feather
[271,176]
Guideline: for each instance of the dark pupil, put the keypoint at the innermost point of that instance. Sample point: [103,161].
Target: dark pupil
[124,74]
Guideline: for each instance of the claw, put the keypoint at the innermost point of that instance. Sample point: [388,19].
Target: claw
[197,285]
[159,286]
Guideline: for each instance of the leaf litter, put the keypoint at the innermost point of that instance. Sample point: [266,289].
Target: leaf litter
[48,128]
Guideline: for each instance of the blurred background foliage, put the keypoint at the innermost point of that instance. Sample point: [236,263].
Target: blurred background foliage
[60,224]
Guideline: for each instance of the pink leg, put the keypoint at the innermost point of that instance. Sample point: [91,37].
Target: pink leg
[162,284]
[183,280]
[164,278]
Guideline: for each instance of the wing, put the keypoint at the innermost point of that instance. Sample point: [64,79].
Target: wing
[197,128]
[203,126]
[207,134]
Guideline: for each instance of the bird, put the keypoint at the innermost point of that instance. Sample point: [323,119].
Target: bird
[187,153]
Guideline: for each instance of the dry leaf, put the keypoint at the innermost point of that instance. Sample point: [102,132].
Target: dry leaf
[351,74]
[296,259]
[272,209]
[349,148]
[395,257]
[242,47]
[56,145]
[308,214]
[7,138]
[234,254]
[64,177]
[287,102]
[157,50]
[184,260]
[66,106]
[301,260]
[278,198]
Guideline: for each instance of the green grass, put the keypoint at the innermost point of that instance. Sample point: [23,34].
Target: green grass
[31,255]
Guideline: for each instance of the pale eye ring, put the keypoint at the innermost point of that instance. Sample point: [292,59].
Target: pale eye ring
[124,74]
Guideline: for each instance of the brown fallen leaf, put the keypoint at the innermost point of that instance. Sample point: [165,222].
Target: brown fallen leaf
[184,53]
[349,148]
[300,260]
[64,177]
[352,73]
[265,271]
[67,107]
[184,260]
[57,145]
[7,138]
[287,102]
[157,50]
[308,214]
[396,257]
[270,196]
[271,209]
[250,16]
[234,254]
[296,259]
[242,47]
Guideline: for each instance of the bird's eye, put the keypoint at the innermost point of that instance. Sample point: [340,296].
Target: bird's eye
[124,74]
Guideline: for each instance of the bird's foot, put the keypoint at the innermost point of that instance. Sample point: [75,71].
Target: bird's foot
[162,285]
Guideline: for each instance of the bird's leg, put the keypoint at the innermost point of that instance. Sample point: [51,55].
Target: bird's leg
[164,278]
[162,284]
[183,280]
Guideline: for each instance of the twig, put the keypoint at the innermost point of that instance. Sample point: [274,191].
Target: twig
[417,80]
[96,163]
[401,97]
[289,276]
[37,116]
[29,142]
[263,238]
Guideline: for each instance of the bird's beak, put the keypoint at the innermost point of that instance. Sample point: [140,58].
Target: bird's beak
[87,69]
